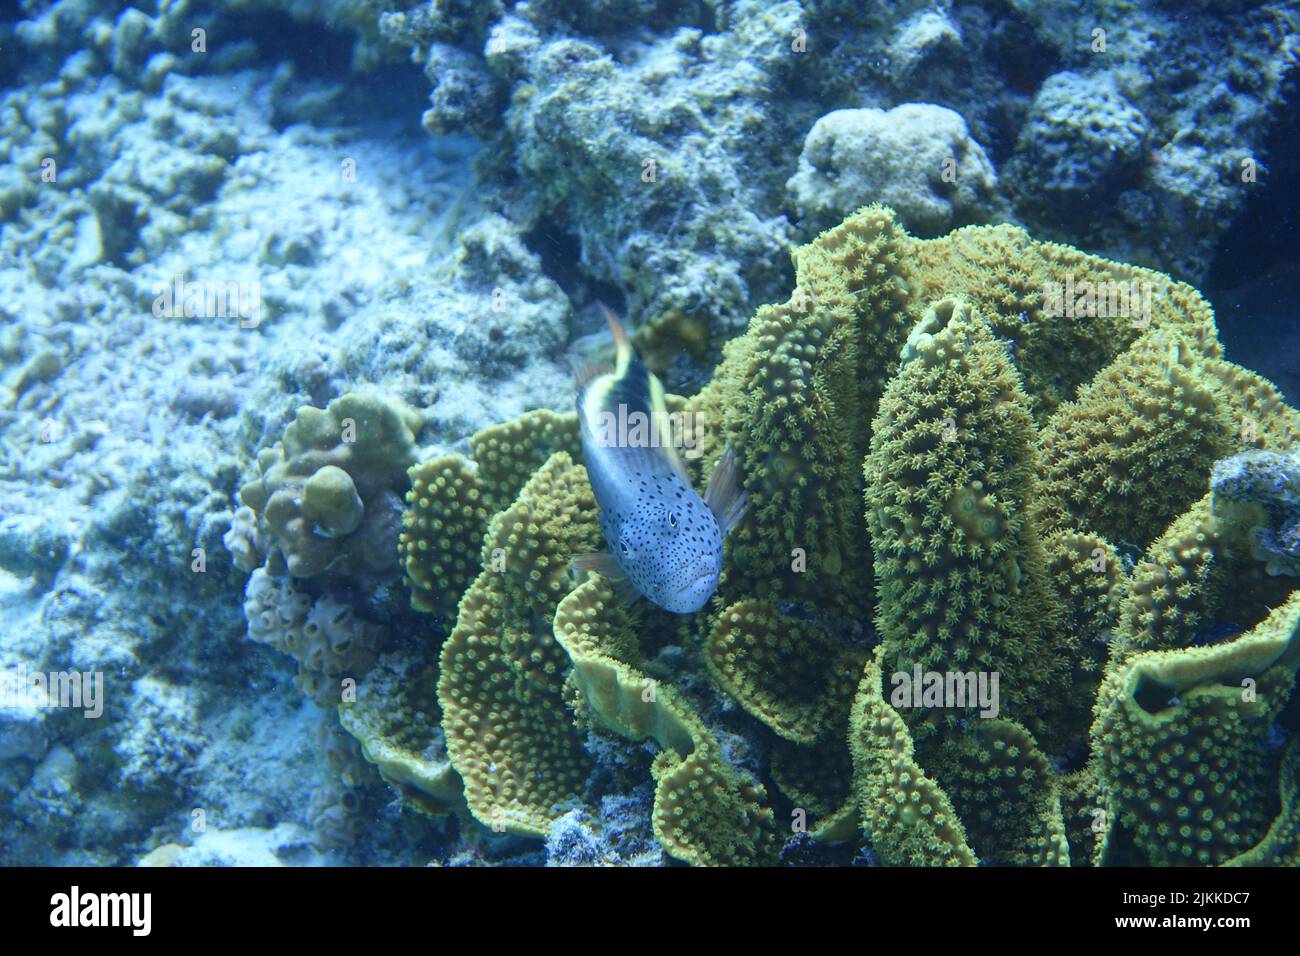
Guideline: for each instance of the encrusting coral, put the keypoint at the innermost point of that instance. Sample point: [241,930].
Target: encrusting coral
[980,486]
[322,515]
[328,497]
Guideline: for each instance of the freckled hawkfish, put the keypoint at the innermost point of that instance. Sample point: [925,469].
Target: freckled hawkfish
[665,541]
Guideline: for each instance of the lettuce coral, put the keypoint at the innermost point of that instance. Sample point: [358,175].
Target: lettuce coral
[908,818]
[443,528]
[950,481]
[396,719]
[1131,453]
[940,442]
[1183,740]
[501,671]
[790,674]
[705,812]
[1281,845]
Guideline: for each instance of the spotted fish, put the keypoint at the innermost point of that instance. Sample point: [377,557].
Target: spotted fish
[665,541]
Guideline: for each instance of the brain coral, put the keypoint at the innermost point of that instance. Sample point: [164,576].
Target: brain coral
[956,468]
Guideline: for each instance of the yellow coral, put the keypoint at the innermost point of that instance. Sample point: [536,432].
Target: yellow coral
[817,779]
[443,528]
[949,483]
[1134,450]
[1190,578]
[794,392]
[508,738]
[1281,844]
[1182,737]
[395,718]
[1010,450]
[501,684]
[508,454]
[1086,575]
[907,818]
[705,812]
[1005,792]
[1022,287]
[1083,812]
[788,673]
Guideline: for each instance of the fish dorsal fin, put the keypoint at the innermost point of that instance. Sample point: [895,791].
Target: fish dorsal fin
[584,373]
[724,496]
[622,342]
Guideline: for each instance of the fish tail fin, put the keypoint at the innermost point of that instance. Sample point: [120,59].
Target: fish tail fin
[622,342]
[724,496]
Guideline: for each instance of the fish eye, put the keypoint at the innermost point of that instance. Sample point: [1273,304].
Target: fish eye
[672,519]
[622,546]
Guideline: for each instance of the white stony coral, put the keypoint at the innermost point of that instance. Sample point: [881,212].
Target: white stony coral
[1257,499]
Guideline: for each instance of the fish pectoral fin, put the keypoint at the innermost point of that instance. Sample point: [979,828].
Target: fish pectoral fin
[601,562]
[724,496]
[626,592]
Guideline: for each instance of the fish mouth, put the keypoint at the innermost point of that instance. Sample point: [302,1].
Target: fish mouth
[690,585]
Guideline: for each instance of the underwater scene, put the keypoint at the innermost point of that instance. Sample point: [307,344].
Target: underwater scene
[649,433]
